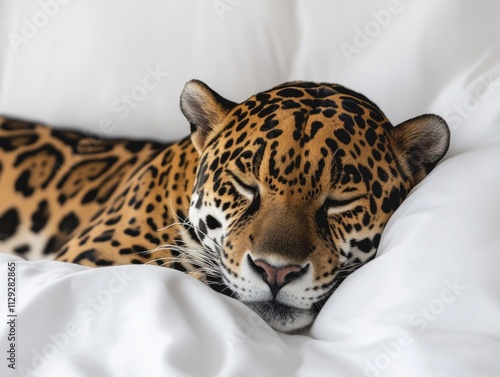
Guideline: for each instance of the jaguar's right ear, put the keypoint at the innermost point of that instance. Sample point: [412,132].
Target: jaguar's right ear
[204,109]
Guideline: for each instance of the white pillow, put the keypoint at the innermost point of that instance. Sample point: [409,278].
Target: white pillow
[428,304]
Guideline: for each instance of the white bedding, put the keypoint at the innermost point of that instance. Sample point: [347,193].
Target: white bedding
[427,306]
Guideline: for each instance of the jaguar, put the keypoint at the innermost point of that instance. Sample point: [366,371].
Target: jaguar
[274,201]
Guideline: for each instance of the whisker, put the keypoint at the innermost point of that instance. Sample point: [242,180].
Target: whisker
[186,223]
[232,293]
[202,259]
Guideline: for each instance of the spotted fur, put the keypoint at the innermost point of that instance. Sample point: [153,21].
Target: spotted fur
[274,200]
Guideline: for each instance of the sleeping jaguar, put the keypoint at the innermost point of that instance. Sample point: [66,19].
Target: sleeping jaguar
[274,200]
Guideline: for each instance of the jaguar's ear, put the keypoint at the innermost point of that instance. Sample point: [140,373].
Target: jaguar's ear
[204,109]
[420,143]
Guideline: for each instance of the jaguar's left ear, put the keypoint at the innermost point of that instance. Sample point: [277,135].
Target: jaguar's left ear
[420,143]
[204,109]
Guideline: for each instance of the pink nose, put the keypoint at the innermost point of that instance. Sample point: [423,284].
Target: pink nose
[277,276]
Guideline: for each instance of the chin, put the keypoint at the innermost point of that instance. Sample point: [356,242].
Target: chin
[283,318]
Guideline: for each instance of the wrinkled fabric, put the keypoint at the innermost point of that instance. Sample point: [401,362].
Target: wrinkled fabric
[428,305]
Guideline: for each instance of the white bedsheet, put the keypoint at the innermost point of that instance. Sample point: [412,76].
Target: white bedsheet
[427,306]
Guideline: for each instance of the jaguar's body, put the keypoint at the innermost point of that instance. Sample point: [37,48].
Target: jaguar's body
[277,198]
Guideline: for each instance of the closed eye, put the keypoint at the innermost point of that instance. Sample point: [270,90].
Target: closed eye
[336,206]
[248,191]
